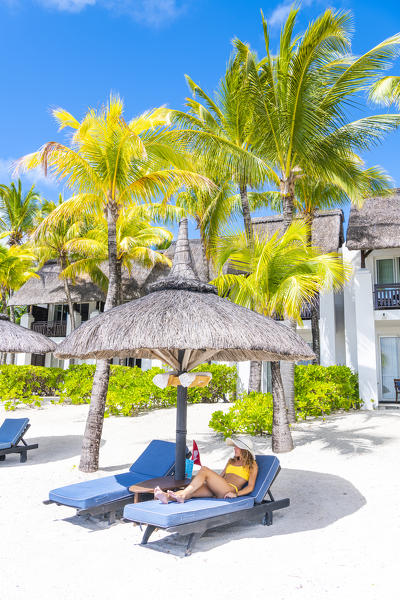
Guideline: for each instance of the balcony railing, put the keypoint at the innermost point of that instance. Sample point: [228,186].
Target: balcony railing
[386,296]
[50,328]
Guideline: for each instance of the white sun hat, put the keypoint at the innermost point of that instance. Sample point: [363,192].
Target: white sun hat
[241,441]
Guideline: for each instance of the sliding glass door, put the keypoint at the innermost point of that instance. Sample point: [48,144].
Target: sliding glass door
[390,365]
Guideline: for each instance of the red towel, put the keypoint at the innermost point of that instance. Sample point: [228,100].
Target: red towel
[196,454]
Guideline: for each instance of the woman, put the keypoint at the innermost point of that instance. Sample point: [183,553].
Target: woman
[237,479]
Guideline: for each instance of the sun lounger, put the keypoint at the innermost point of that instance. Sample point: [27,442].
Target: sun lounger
[108,495]
[12,439]
[196,516]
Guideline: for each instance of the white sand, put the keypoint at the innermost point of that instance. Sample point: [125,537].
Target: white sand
[338,540]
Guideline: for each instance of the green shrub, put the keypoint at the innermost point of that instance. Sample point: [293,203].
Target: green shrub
[26,384]
[322,390]
[318,391]
[130,391]
[251,414]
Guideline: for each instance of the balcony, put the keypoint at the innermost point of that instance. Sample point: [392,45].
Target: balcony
[50,328]
[386,296]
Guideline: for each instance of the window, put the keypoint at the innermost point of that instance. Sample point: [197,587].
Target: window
[60,312]
[390,365]
[385,271]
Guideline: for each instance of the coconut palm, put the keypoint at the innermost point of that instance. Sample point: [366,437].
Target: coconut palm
[111,163]
[17,211]
[277,277]
[300,100]
[220,134]
[137,240]
[312,196]
[16,267]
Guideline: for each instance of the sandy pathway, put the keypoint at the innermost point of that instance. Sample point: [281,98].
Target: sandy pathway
[338,540]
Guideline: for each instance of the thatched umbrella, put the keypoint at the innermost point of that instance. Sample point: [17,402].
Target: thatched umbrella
[14,338]
[183,322]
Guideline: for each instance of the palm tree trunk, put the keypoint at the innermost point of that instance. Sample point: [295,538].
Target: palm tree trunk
[316,343]
[281,437]
[94,425]
[63,265]
[288,213]
[206,264]
[12,317]
[248,225]
[255,376]
[255,366]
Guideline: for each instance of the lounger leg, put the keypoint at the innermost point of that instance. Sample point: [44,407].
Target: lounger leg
[23,456]
[193,537]
[147,534]
[111,517]
[3,457]
[267,520]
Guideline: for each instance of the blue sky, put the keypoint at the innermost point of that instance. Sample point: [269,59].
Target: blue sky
[72,53]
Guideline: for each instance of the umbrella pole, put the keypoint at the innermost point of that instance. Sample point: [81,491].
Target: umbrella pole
[181,419]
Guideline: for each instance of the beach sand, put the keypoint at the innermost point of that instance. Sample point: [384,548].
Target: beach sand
[339,539]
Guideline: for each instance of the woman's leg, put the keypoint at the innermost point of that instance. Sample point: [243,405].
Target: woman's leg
[217,485]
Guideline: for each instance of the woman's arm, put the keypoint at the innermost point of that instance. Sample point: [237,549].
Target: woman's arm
[247,489]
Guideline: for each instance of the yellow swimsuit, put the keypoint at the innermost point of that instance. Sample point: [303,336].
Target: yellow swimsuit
[237,470]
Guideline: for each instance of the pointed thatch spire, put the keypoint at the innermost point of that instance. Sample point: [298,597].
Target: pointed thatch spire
[182,263]
[182,276]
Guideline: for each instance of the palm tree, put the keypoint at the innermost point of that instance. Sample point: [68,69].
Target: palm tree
[52,240]
[278,276]
[17,211]
[220,134]
[137,240]
[112,163]
[16,267]
[299,101]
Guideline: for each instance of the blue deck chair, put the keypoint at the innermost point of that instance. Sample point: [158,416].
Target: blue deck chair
[196,516]
[12,435]
[108,495]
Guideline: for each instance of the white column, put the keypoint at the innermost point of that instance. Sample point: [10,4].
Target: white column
[352,257]
[22,358]
[366,347]
[243,369]
[327,329]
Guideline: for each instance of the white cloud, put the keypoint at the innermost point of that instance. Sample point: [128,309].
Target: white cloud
[280,13]
[68,5]
[33,177]
[150,12]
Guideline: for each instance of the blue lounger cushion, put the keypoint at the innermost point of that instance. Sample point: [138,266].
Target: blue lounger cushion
[268,467]
[172,514]
[156,460]
[11,432]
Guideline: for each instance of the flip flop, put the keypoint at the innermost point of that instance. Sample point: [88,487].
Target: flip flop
[176,497]
[160,495]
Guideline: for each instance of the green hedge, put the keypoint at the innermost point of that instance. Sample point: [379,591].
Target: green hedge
[319,391]
[131,390]
[322,390]
[251,414]
[27,384]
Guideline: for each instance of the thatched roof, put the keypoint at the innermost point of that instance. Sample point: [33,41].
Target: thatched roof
[327,230]
[376,225]
[49,289]
[182,313]
[14,338]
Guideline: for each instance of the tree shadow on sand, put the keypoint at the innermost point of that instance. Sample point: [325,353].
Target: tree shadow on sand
[311,508]
[51,448]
